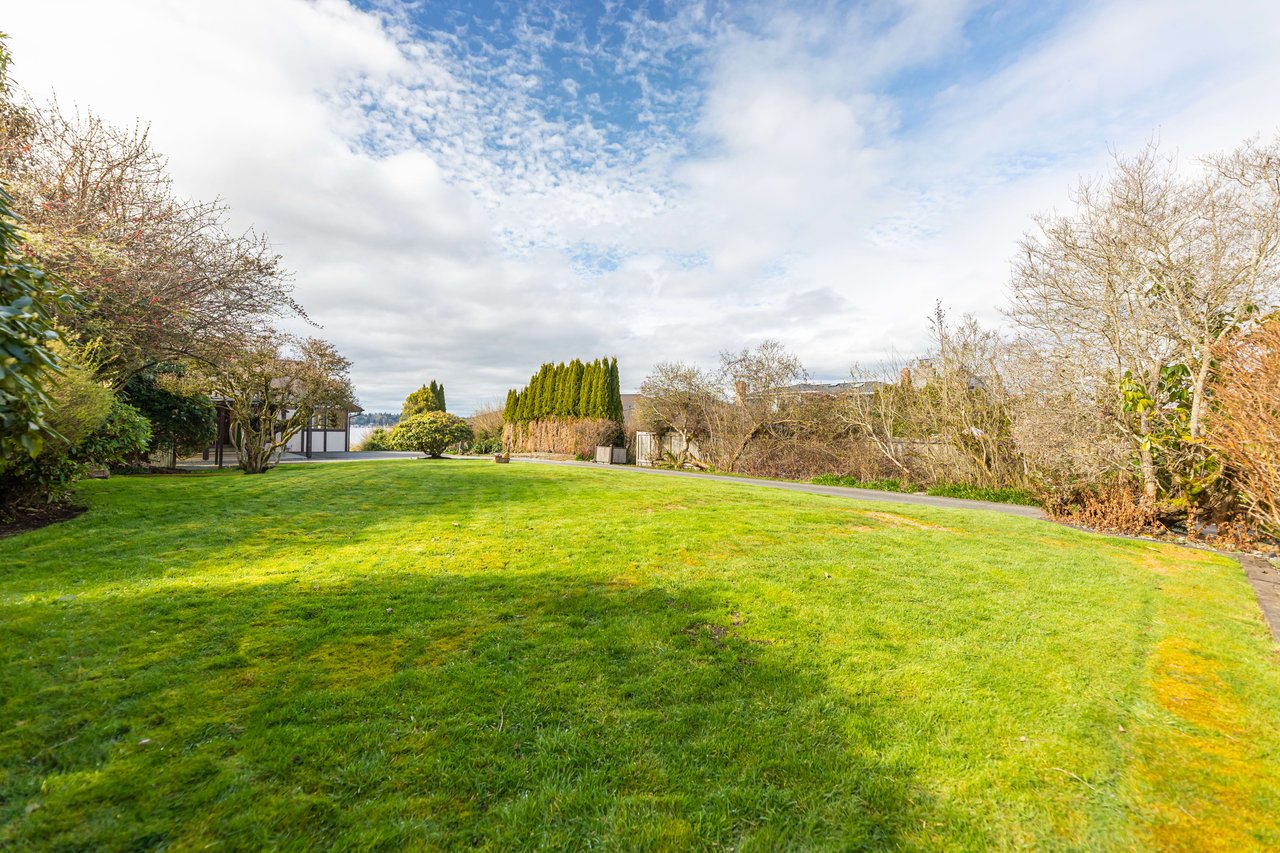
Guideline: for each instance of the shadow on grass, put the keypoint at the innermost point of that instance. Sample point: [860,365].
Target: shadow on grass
[496,710]
[190,521]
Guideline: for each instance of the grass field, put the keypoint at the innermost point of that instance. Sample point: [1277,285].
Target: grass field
[452,654]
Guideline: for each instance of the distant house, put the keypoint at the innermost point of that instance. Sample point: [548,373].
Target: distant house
[328,431]
[925,370]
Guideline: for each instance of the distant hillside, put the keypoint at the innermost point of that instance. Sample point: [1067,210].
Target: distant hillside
[373,419]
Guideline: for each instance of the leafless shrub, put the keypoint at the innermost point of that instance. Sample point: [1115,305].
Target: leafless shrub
[1063,421]
[752,396]
[1245,428]
[487,421]
[1114,508]
[946,416]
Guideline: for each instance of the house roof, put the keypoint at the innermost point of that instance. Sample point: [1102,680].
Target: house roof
[867,386]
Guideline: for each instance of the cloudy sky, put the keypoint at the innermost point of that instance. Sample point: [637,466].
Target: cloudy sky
[466,190]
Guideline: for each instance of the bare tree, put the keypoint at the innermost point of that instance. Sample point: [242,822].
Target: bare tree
[1082,286]
[757,389]
[1143,281]
[274,385]
[1214,259]
[678,398]
[752,395]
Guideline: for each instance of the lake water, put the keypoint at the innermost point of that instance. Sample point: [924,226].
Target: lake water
[358,434]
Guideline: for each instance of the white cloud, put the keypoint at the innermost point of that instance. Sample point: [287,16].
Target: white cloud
[466,217]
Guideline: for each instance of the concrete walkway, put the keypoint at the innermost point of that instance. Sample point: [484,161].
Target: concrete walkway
[1264,577]
[830,491]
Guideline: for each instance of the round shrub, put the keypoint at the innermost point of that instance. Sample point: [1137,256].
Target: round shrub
[430,433]
[125,434]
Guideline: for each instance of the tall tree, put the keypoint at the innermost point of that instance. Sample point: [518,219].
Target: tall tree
[160,277]
[615,392]
[1143,278]
[585,399]
[574,391]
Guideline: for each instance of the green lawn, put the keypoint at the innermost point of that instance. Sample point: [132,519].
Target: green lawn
[448,654]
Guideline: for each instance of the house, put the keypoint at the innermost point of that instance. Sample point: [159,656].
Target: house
[328,431]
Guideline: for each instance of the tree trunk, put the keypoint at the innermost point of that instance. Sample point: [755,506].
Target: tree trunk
[1146,462]
[1197,396]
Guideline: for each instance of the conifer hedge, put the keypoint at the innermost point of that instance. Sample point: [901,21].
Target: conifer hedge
[566,392]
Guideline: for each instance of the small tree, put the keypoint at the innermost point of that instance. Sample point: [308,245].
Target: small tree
[428,398]
[274,383]
[678,398]
[430,433]
[758,388]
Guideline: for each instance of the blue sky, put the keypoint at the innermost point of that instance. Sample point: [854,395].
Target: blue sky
[468,190]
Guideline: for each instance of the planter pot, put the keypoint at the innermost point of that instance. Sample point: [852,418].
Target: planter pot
[611,455]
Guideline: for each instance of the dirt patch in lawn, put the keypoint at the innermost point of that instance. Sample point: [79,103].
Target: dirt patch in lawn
[441,648]
[1165,560]
[30,519]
